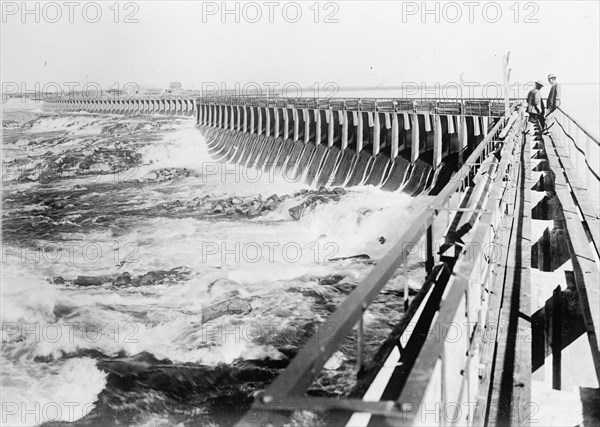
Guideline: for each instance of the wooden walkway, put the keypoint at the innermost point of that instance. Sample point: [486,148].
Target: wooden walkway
[488,224]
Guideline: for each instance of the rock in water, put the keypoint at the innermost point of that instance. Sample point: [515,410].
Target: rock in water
[233,306]
[48,176]
[92,280]
[296,212]
[253,210]
[58,280]
[122,280]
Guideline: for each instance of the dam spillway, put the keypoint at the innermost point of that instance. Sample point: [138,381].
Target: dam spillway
[411,145]
[182,106]
[398,144]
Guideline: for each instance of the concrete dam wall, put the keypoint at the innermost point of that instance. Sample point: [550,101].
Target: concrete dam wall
[408,145]
[130,106]
[411,145]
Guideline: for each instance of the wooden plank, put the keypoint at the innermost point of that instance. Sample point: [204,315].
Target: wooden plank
[580,193]
[384,408]
[511,382]
[584,267]
[522,375]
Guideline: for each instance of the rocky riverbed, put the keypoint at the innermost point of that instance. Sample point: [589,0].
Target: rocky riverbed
[176,294]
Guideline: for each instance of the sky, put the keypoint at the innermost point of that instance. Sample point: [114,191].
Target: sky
[346,43]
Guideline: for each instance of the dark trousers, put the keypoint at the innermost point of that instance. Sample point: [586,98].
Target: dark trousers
[538,118]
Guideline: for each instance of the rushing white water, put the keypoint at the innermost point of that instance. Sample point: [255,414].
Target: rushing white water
[108,223]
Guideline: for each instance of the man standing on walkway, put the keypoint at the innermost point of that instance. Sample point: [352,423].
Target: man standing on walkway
[553,100]
[535,105]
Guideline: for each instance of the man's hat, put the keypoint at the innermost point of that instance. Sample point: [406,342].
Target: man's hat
[539,82]
[551,76]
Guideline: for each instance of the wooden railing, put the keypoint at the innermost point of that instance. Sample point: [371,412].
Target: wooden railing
[579,152]
[584,146]
[452,106]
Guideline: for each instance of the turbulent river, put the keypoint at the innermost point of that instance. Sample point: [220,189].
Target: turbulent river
[144,284]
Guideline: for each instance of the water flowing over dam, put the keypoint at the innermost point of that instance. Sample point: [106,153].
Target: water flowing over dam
[471,295]
[396,144]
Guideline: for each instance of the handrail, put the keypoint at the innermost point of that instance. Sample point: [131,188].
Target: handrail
[52,99]
[309,362]
[265,97]
[585,153]
[584,130]
[339,99]
[581,176]
[479,107]
[447,106]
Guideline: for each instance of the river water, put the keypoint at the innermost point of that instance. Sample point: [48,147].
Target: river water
[144,284]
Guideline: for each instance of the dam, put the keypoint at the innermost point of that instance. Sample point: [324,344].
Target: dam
[509,243]
[389,143]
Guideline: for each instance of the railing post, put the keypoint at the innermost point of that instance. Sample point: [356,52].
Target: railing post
[569,136]
[405,295]
[577,152]
[588,153]
[360,340]
[430,261]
